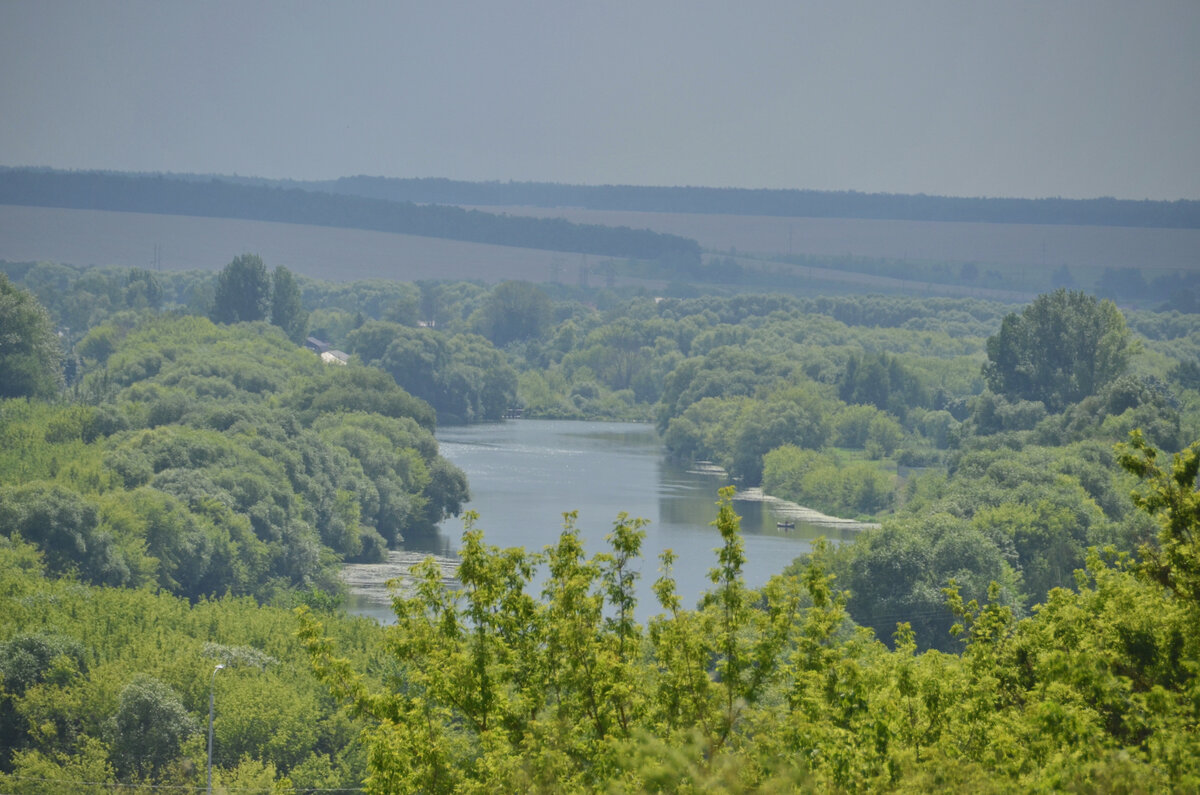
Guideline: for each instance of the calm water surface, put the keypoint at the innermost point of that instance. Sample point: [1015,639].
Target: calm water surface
[524,474]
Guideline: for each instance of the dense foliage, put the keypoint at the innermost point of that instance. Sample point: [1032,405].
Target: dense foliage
[1014,622]
[212,460]
[775,690]
[287,305]
[243,291]
[462,376]
[107,689]
[1062,348]
[30,355]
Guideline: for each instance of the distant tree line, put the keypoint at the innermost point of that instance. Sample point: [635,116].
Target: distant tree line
[1105,211]
[222,199]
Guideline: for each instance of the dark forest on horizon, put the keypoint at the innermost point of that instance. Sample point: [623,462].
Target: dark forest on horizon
[1099,211]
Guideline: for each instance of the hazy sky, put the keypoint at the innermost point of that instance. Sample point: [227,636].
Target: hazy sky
[994,98]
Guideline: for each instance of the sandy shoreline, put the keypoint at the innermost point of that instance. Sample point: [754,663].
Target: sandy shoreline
[798,513]
[784,508]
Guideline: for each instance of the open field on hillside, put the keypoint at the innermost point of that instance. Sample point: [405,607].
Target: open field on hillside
[810,280]
[1043,246]
[95,237]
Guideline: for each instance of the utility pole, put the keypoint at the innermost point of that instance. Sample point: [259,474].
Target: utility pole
[212,696]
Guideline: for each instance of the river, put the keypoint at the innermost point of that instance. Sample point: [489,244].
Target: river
[524,474]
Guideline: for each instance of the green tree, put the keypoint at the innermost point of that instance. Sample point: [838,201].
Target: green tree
[287,310]
[478,382]
[896,573]
[797,415]
[884,435]
[148,729]
[85,770]
[243,291]
[1062,348]
[347,389]
[30,354]
[881,380]
[1170,495]
[463,376]
[66,526]
[27,661]
[514,311]
[142,290]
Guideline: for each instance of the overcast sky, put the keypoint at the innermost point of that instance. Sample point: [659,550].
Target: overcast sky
[995,98]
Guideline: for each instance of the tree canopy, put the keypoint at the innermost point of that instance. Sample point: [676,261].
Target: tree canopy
[463,376]
[30,354]
[220,459]
[243,291]
[514,311]
[1063,347]
[1015,622]
[773,689]
[287,307]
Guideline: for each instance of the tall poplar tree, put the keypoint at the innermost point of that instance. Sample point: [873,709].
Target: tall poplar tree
[243,291]
[287,309]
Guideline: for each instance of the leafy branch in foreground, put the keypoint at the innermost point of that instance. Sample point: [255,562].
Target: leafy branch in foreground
[1173,498]
[774,689]
[497,688]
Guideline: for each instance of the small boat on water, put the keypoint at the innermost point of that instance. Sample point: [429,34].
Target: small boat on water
[786,525]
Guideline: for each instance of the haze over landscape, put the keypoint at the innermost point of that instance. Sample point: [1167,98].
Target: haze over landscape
[1072,99]
[472,317]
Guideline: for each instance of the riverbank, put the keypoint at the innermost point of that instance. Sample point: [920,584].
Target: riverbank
[798,513]
[525,474]
[785,509]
